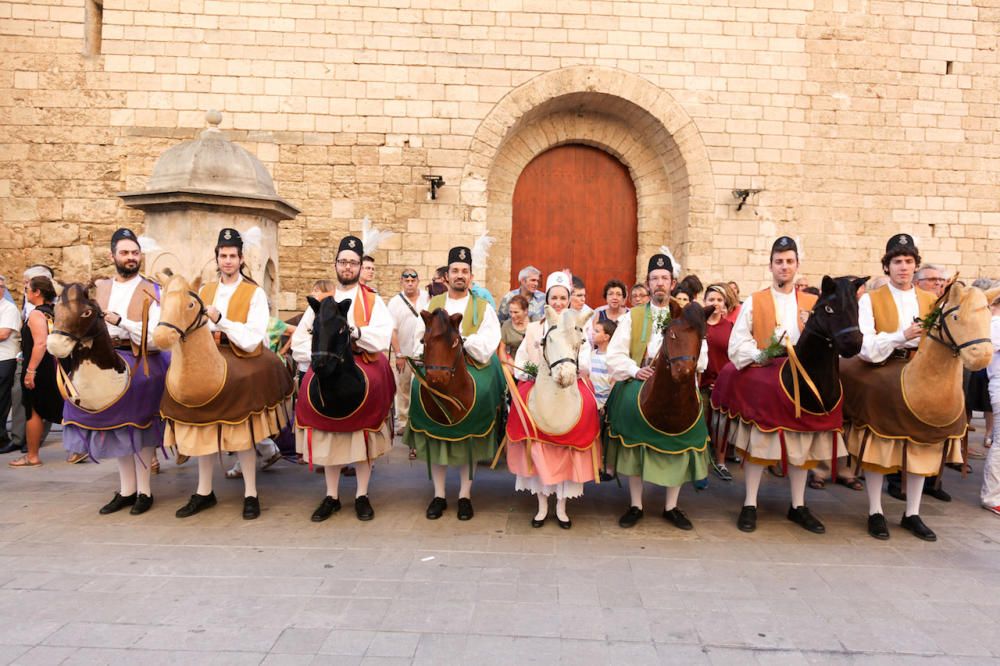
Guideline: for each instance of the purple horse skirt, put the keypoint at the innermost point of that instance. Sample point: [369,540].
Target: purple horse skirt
[130,424]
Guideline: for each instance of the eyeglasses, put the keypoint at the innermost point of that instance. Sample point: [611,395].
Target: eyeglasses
[410,275]
[348,262]
[934,280]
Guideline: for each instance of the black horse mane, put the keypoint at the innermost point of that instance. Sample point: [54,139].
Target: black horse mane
[694,315]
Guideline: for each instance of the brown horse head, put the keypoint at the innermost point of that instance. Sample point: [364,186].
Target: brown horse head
[682,339]
[181,311]
[78,318]
[442,346]
[964,324]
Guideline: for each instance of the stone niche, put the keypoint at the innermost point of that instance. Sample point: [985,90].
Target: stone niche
[200,187]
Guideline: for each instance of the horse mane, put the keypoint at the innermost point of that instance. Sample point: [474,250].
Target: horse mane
[694,315]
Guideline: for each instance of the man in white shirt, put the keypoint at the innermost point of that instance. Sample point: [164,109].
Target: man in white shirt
[10,346]
[371,327]
[237,315]
[481,337]
[405,309]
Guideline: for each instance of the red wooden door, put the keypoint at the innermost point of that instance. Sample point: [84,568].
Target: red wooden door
[575,207]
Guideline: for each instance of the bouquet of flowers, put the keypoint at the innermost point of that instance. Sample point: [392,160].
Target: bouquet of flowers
[661,320]
[928,322]
[530,368]
[775,348]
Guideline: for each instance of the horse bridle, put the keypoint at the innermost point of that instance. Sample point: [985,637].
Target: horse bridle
[200,319]
[682,357]
[952,344]
[565,359]
[77,339]
[328,354]
[830,341]
[450,369]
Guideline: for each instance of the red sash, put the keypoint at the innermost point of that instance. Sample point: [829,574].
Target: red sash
[581,436]
[370,414]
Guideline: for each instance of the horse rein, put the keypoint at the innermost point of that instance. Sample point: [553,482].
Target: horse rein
[565,359]
[200,319]
[942,324]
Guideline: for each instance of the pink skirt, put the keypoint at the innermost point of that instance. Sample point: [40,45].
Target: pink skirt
[553,464]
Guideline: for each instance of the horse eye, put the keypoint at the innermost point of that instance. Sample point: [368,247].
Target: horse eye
[87,313]
[828,309]
[673,336]
[190,305]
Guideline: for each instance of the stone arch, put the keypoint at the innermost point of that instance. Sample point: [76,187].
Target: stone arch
[616,111]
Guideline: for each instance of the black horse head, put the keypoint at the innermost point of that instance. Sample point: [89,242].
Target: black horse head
[331,335]
[834,318]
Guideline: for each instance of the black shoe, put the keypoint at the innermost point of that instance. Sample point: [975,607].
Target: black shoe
[326,508]
[895,490]
[251,508]
[436,508]
[677,517]
[630,517]
[877,526]
[565,524]
[10,447]
[465,511]
[143,503]
[363,508]
[747,522]
[915,525]
[939,494]
[117,503]
[197,503]
[537,523]
[801,515]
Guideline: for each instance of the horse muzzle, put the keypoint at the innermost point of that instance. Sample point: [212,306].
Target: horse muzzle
[60,346]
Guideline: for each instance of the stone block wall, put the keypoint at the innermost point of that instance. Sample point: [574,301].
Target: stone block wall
[855,118]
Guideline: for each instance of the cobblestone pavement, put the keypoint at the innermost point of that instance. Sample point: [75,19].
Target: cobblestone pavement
[76,587]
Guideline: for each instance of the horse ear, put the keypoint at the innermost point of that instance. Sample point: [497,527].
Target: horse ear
[992,295]
[582,318]
[426,316]
[550,316]
[857,283]
[828,286]
[676,311]
[313,304]
[196,284]
[455,320]
[343,306]
[709,310]
[164,276]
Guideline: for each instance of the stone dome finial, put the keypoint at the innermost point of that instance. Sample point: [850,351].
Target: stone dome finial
[214,118]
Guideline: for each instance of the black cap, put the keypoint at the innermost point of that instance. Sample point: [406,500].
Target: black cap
[229,238]
[901,243]
[460,255]
[122,234]
[784,244]
[660,262]
[353,244]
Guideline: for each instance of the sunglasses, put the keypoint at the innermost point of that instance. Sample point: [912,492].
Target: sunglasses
[410,275]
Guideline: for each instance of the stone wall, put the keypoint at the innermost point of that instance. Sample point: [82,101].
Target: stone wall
[856,119]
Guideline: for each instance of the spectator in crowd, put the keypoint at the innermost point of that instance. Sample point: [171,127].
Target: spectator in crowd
[39,392]
[367,276]
[10,345]
[603,330]
[405,308]
[721,298]
[734,311]
[578,299]
[977,394]
[639,295]
[7,296]
[614,301]
[512,330]
[692,285]
[17,416]
[990,494]
[529,278]
[682,295]
[931,277]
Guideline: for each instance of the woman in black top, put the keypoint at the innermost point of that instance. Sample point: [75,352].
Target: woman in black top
[39,392]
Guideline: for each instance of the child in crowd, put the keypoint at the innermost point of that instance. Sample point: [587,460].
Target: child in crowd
[603,330]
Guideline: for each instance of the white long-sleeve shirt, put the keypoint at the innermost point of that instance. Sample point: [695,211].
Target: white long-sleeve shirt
[876,347]
[742,345]
[481,345]
[620,364]
[118,302]
[245,336]
[374,338]
[530,350]
[405,319]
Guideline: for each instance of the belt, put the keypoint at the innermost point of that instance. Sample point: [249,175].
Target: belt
[902,353]
[220,338]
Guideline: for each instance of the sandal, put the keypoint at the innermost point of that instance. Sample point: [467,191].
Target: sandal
[853,484]
[154,466]
[816,483]
[24,462]
[75,458]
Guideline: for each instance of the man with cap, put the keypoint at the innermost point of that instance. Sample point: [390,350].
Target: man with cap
[776,313]
[633,347]
[371,327]
[130,429]
[887,317]
[237,313]
[405,309]
[480,331]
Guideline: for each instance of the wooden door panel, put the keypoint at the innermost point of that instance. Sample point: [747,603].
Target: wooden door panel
[575,207]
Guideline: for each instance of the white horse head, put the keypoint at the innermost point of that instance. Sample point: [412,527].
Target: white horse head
[561,344]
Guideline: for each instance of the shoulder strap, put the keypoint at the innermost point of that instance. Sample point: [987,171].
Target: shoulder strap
[641,328]
[403,298]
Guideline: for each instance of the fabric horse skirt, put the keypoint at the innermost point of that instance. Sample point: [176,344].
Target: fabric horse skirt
[254,402]
[363,435]
[129,424]
[471,440]
[753,411]
[636,448]
[884,433]
[560,464]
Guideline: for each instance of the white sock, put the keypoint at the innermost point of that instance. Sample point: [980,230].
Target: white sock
[332,475]
[543,506]
[873,483]
[363,474]
[206,466]
[914,490]
[797,478]
[248,461]
[143,470]
[752,474]
[438,474]
[465,487]
[673,493]
[126,474]
[561,509]
[635,491]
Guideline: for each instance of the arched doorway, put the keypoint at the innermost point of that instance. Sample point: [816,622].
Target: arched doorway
[574,206]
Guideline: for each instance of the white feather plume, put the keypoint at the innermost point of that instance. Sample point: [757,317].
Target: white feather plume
[673,261]
[148,244]
[253,236]
[801,247]
[371,237]
[481,252]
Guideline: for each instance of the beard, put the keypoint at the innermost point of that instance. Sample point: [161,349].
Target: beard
[348,280]
[128,269]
